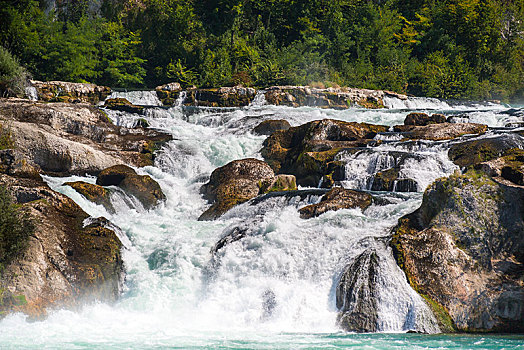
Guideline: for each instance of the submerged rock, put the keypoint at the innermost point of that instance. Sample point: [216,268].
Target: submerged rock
[308,151]
[463,251]
[337,198]
[63,91]
[143,187]
[267,127]
[70,258]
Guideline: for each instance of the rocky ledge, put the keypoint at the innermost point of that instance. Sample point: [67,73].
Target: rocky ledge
[63,138]
[63,91]
[338,98]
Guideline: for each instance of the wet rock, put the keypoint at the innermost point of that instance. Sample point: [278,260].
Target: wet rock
[63,139]
[234,183]
[121,104]
[388,180]
[69,259]
[337,198]
[236,96]
[442,131]
[168,93]
[308,151]
[357,294]
[463,251]
[422,119]
[267,127]
[94,193]
[338,98]
[278,183]
[63,91]
[143,187]
[470,153]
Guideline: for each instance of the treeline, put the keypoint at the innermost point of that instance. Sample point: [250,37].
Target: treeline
[447,49]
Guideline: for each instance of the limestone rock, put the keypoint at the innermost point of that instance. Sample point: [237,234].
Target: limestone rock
[63,91]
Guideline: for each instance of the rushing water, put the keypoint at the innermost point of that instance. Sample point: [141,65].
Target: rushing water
[276,287]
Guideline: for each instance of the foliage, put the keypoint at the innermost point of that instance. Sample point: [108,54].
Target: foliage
[447,49]
[13,76]
[15,229]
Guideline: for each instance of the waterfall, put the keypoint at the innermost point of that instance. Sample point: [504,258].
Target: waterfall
[181,98]
[31,93]
[260,99]
[141,98]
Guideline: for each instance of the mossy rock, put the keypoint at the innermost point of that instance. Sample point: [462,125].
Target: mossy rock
[422,119]
[143,187]
[267,127]
[471,153]
[121,104]
[94,193]
[337,198]
[278,184]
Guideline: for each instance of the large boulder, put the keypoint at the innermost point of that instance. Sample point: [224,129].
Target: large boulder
[168,93]
[267,127]
[308,151]
[422,119]
[474,152]
[463,250]
[337,198]
[234,183]
[63,91]
[143,187]
[69,259]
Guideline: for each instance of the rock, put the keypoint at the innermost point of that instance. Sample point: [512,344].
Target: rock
[168,93]
[308,151]
[63,139]
[357,294]
[234,183]
[463,251]
[442,131]
[121,104]
[94,193]
[338,98]
[237,96]
[143,187]
[471,153]
[422,119]
[388,180]
[62,91]
[337,198]
[267,127]
[69,259]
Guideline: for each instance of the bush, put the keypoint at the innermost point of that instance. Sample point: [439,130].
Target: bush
[13,77]
[15,229]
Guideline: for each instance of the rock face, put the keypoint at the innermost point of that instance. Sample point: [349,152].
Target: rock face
[168,93]
[422,119]
[64,139]
[442,131]
[308,151]
[62,91]
[143,187]
[234,183]
[267,127]
[121,104]
[357,294]
[237,96]
[339,98]
[69,259]
[337,198]
[463,250]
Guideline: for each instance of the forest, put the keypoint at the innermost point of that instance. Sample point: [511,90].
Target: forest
[452,49]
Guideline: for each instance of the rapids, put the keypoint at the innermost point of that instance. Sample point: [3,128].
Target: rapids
[275,288]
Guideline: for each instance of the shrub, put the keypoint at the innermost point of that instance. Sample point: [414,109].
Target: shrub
[13,76]
[15,229]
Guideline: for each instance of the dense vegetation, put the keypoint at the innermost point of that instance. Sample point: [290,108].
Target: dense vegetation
[15,229]
[448,48]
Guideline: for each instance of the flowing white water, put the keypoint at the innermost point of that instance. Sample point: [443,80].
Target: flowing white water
[31,93]
[274,286]
[142,98]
